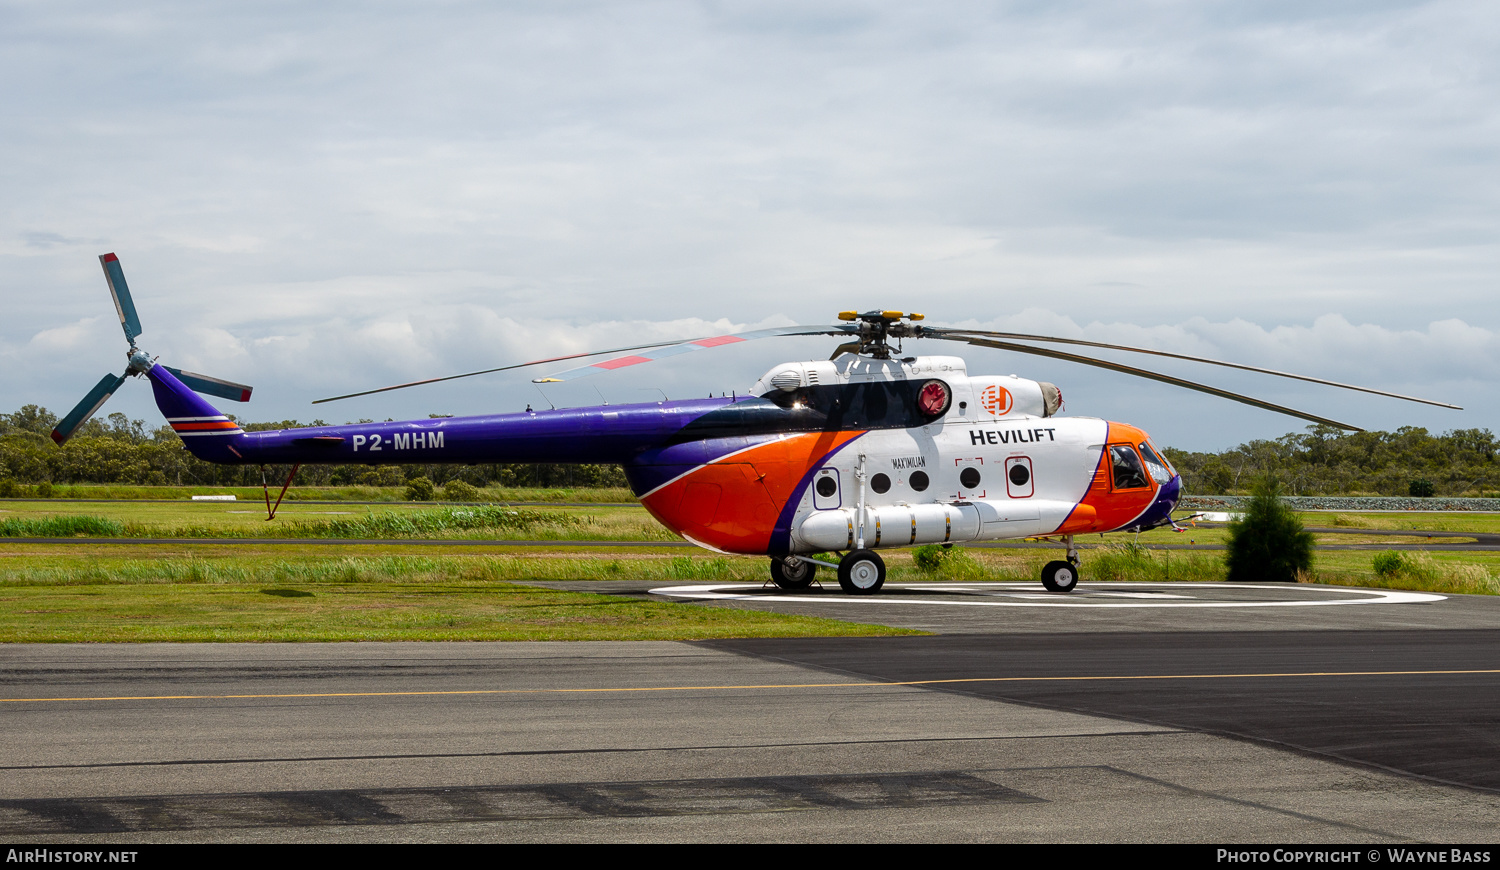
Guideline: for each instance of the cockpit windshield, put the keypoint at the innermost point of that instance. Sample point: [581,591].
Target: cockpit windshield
[1160,471]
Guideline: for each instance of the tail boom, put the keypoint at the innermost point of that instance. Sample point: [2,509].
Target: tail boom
[603,434]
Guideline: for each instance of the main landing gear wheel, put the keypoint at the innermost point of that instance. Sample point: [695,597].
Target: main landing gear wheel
[1060,576]
[862,572]
[792,573]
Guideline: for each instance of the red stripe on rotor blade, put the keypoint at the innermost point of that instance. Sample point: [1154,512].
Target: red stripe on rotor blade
[718,340]
[110,258]
[621,362]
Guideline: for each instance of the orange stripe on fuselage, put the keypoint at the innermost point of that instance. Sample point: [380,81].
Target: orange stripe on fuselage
[199,427]
[1104,508]
[732,505]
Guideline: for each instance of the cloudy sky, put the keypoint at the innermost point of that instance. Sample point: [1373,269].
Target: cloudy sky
[321,198]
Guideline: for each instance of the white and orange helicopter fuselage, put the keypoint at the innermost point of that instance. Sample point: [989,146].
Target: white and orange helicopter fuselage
[854,456]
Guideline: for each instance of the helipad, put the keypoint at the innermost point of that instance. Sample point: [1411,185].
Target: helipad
[1092,595]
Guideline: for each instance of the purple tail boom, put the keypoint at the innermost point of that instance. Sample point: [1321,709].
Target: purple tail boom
[604,434]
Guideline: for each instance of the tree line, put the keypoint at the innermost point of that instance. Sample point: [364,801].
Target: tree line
[1322,460]
[119,450]
[1325,460]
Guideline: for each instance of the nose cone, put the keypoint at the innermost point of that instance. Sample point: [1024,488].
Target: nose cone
[1162,506]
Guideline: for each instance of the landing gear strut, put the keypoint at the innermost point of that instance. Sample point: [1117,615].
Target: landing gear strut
[1062,576]
[792,573]
[271,511]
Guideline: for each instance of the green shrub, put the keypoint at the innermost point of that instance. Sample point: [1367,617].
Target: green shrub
[8,489]
[951,563]
[419,489]
[931,557]
[1420,489]
[457,490]
[1388,564]
[1268,544]
[44,489]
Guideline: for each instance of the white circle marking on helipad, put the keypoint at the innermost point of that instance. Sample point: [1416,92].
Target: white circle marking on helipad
[1027,595]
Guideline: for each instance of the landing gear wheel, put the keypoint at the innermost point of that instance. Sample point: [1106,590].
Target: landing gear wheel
[862,572]
[792,573]
[1060,576]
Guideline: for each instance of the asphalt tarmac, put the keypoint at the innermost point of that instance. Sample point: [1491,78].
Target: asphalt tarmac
[1359,722]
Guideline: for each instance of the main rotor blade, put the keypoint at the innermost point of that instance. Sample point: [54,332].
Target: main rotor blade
[958,335]
[212,386]
[1156,376]
[485,372]
[124,305]
[689,346]
[85,409]
[711,341]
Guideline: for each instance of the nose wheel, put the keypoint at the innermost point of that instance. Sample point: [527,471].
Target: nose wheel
[1062,576]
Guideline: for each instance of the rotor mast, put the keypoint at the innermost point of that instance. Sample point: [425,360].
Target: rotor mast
[876,328]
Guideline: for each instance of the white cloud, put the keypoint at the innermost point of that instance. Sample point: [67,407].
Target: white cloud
[348,194]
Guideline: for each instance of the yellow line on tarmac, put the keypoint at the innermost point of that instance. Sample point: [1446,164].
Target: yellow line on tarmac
[865,685]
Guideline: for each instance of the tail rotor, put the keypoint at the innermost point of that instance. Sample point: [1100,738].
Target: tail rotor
[138,361]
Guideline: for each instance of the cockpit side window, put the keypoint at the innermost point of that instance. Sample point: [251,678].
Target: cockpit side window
[1125,467]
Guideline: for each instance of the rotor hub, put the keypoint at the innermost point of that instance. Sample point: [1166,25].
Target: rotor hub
[138,362]
[876,328]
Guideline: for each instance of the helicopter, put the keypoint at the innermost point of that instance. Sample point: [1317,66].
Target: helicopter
[866,451]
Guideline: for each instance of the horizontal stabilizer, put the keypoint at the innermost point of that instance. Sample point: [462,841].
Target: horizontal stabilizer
[212,386]
[85,409]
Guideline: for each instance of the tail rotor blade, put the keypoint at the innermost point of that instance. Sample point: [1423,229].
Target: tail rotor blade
[124,305]
[212,386]
[85,409]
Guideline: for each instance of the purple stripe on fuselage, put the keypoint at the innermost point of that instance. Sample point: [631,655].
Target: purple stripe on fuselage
[781,535]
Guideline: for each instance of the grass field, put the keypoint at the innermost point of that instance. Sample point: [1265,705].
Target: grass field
[50,519]
[186,591]
[287,595]
[127,492]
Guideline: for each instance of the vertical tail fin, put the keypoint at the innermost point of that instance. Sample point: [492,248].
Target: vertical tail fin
[205,432]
